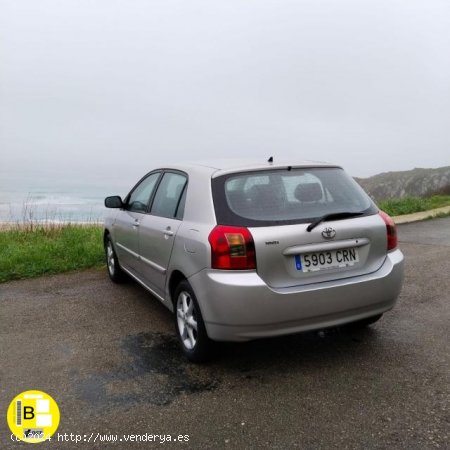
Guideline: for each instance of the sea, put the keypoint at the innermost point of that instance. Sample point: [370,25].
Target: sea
[49,199]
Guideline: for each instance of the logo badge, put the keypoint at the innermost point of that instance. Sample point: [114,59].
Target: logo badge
[33,416]
[328,233]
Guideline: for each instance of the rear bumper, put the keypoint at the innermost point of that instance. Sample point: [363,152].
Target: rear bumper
[239,306]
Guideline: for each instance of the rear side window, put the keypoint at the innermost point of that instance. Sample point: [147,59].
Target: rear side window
[167,198]
[286,196]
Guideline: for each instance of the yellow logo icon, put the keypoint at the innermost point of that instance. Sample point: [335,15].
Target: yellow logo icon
[33,416]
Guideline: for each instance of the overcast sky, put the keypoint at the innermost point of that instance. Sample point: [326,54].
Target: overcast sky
[95,87]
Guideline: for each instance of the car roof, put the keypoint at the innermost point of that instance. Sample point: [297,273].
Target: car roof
[218,167]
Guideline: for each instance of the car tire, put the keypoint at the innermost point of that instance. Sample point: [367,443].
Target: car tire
[115,272]
[189,325]
[363,323]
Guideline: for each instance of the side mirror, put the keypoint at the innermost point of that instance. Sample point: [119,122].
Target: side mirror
[113,202]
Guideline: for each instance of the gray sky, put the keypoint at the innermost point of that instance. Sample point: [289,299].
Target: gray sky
[101,86]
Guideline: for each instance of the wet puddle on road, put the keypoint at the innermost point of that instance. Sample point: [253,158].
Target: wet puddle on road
[155,372]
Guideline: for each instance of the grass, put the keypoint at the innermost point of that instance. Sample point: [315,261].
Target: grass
[34,250]
[409,205]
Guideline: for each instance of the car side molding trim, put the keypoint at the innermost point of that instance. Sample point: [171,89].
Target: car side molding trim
[127,250]
[153,265]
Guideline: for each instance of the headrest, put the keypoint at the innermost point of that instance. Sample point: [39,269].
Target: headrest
[308,192]
[265,193]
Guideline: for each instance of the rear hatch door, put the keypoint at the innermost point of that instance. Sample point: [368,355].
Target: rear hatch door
[289,255]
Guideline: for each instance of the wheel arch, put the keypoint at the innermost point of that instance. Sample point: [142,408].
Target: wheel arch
[176,277]
[106,233]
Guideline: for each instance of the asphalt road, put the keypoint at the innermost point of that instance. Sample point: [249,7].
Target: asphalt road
[108,356]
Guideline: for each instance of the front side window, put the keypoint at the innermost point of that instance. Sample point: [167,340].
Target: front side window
[284,196]
[140,196]
[167,198]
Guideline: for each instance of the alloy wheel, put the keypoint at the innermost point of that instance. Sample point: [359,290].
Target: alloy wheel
[186,319]
[110,258]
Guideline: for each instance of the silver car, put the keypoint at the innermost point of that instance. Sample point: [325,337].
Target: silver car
[243,250]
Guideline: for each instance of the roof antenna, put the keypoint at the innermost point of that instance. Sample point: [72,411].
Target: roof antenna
[270,160]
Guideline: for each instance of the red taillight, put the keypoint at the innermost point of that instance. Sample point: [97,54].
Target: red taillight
[232,248]
[391,230]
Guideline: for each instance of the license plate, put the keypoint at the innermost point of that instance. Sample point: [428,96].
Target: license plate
[312,262]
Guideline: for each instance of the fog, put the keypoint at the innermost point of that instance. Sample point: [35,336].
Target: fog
[93,90]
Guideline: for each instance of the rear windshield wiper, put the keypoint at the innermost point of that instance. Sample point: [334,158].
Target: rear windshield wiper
[332,216]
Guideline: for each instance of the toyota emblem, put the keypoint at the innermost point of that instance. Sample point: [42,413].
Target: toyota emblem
[328,233]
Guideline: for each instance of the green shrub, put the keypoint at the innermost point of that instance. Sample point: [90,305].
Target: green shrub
[409,205]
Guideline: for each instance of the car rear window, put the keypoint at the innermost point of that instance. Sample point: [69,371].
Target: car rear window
[286,196]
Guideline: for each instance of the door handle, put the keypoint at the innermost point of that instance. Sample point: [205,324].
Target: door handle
[136,223]
[168,232]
